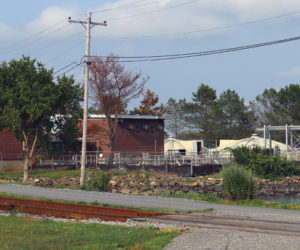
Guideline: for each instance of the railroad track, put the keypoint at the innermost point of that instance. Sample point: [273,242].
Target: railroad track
[68,210]
[240,223]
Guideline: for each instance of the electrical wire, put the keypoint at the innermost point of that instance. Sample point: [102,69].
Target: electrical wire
[125,6]
[33,40]
[33,35]
[55,43]
[199,53]
[65,52]
[154,11]
[65,67]
[209,29]
[78,64]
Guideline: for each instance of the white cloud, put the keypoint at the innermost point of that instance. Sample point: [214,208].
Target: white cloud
[250,9]
[295,71]
[53,22]
[203,14]
[197,16]
[7,32]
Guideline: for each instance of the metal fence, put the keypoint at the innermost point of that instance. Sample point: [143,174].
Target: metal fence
[94,158]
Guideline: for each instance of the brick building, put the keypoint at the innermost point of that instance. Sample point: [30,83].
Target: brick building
[135,133]
[10,147]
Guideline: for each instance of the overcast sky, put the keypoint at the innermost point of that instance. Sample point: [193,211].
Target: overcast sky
[152,27]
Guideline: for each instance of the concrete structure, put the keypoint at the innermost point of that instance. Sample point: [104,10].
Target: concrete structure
[183,147]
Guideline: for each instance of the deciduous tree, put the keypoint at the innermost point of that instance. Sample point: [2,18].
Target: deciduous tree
[30,101]
[112,88]
[148,105]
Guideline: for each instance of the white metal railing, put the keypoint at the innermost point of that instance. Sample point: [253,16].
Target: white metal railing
[142,158]
[136,158]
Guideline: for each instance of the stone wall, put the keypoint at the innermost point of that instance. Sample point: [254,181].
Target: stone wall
[140,184]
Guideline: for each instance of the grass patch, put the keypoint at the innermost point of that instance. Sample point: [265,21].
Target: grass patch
[195,196]
[24,233]
[263,203]
[249,203]
[56,174]
[46,173]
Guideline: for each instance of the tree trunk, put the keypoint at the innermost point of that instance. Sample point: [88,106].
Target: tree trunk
[26,167]
[28,155]
[111,149]
[112,127]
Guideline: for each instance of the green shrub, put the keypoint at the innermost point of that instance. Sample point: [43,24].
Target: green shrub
[239,183]
[272,167]
[98,182]
[263,164]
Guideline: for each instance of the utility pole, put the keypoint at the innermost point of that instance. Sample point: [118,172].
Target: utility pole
[88,24]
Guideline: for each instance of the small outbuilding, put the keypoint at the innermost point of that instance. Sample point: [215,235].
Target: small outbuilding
[183,146]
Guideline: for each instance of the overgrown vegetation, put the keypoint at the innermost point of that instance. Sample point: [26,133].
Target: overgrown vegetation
[97,182]
[249,203]
[239,183]
[26,233]
[263,164]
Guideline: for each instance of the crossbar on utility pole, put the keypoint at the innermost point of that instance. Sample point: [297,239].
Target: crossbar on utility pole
[88,24]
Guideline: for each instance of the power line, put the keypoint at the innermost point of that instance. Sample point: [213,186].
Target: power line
[65,67]
[29,41]
[210,29]
[153,11]
[199,53]
[64,52]
[125,6]
[52,44]
[75,66]
[33,35]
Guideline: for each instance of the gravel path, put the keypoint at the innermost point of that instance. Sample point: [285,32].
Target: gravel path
[197,238]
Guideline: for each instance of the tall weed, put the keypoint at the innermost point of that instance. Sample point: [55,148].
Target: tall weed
[239,183]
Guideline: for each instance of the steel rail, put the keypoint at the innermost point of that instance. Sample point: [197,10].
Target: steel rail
[68,210]
[231,222]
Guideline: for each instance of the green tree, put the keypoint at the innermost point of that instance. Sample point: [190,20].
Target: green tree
[232,116]
[264,108]
[174,116]
[278,108]
[199,114]
[36,108]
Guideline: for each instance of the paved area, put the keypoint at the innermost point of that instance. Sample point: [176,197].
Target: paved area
[197,238]
[205,238]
